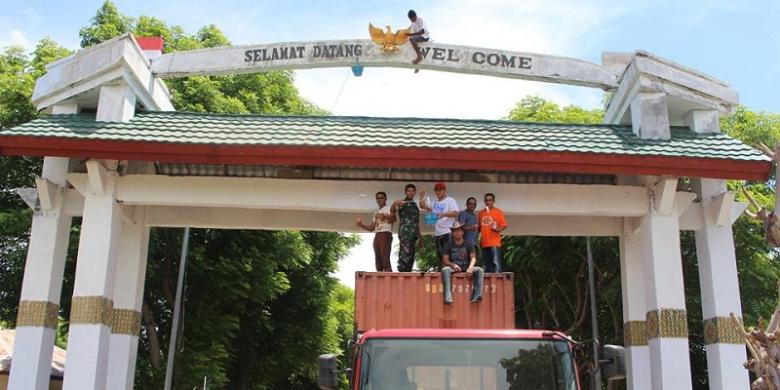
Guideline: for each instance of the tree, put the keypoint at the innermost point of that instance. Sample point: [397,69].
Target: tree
[270,319]
[17,78]
[539,110]
[107,23]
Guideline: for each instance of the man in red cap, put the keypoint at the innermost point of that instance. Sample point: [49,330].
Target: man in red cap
[446,211]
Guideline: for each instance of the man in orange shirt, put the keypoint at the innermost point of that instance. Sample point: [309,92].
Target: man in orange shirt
[491,223]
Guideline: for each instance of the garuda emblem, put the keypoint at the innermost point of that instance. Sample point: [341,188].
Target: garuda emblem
[386,39]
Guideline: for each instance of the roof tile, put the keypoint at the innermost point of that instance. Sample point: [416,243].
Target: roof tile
[194,128]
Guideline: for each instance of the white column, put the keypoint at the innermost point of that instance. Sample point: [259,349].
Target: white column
[36,323]
[719,289]
[93,292]
[128,297]
[667,329]
[632,274]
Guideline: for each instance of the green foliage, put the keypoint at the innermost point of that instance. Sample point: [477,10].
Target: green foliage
[107,23]
[536,109]
[257,308]
[752,127]
[18,72]
[46,51]
[16,85]
[211,36]
[341,320]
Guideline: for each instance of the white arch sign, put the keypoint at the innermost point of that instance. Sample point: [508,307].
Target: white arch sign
[346,53]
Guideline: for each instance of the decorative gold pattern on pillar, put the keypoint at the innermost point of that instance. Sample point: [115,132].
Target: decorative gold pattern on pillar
[38,313]
[126,321]
[635,333]
[667,323]
[721,330]
[92,310]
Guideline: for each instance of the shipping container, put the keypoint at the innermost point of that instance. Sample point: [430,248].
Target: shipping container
[387,300]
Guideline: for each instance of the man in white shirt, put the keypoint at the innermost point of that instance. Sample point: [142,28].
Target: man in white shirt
[382,226]
[446,211]
[419,34]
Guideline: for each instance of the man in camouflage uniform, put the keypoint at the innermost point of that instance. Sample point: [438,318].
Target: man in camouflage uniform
[408,226]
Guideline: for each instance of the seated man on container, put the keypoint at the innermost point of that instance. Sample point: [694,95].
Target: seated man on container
[459,256]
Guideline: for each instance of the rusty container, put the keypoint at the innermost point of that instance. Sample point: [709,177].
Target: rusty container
[416,300]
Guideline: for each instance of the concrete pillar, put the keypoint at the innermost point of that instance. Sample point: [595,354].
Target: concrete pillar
[703,121]
[36,322]
[667,328]
[650,115]
[719,289]
[632,274]
[128,297]
[39,305]
[92,306]
[116,103]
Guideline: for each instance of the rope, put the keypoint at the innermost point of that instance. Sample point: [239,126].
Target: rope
[343,84]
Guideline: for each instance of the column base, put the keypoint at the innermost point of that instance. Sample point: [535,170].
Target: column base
[31,365]
[121,361]
[724,366]
[87,364]
[637,367]
[670,362]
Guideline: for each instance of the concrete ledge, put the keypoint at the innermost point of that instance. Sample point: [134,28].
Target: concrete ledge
[77,78]
[687,89]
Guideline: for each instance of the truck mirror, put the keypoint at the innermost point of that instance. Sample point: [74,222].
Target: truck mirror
[328,378]
[613,362]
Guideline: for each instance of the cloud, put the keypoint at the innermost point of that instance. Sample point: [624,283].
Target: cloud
[15,38]
[567,28]
[31,14]
[536,26]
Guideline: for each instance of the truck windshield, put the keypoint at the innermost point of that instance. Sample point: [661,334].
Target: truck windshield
[444,364]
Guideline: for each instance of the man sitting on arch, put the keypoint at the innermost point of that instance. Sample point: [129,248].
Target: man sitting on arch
[419,34]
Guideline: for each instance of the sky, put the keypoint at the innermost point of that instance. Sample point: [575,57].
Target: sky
[735,41]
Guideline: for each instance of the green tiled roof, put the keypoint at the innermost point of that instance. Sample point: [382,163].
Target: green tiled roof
[193,128]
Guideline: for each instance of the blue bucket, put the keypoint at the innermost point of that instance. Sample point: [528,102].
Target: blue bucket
[430,218]
[357,70]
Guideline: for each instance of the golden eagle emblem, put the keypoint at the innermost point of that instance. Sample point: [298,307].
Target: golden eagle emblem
[387,39]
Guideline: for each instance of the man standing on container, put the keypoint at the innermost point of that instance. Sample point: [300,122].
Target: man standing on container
[459,255]
[468,219]
[491,224]
[408,226]
[382,226]
[446,211]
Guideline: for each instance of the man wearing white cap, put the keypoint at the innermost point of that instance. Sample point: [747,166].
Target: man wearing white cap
[460,256]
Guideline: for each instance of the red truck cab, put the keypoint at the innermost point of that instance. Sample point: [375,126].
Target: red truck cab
[408,338]
[463,359]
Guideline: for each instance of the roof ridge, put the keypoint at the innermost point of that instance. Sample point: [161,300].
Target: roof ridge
[389,118]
